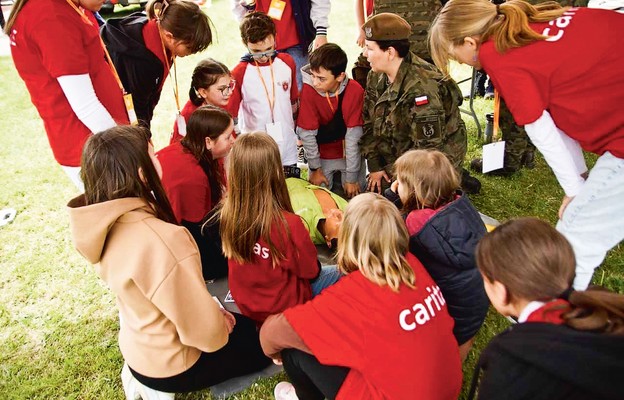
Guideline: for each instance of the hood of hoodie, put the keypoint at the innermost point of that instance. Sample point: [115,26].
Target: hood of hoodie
[125,35]
[306,76]
[90,224]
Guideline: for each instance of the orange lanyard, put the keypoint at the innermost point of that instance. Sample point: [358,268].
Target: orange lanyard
[86,20]
[175,70]
[266,90]
[331,106]
[496,114]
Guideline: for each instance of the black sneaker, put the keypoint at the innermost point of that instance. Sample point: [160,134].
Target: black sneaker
[470,184]
[528,159]
[477,166]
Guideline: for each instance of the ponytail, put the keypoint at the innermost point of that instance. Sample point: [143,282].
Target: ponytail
[596,309]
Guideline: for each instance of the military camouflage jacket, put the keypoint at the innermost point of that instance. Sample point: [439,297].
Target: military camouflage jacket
[419,110]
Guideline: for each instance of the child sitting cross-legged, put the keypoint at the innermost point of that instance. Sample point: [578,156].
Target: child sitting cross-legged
[444,229]
[265,96]
[330,121]
[382,332]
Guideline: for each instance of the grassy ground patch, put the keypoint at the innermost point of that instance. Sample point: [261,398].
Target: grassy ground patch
[58,323]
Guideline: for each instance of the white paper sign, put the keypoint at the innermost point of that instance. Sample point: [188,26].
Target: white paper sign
[493,156]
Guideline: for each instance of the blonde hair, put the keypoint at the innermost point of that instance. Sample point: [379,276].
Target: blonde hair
[373,239]
[256,197]
[507,23]
[429,179]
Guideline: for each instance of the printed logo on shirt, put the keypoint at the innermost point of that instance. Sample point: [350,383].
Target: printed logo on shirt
[558,25]
[419,313]
[285,85]
[261,251]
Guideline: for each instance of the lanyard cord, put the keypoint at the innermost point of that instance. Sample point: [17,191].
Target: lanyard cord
[496,114]
[331,106]
[86,20]
[175,70]
[266,90]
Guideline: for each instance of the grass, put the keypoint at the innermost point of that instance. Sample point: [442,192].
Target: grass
[58,323]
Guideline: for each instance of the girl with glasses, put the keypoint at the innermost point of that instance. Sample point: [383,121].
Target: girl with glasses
[211,84]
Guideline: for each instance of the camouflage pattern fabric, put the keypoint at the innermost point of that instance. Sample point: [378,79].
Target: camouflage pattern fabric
[419,14]
[516,140]
[394,123]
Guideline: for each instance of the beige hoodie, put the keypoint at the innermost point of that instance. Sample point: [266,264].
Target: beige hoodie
[167,316]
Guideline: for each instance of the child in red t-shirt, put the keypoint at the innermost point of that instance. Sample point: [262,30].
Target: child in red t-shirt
[330,121]
[568,344]
[382,332]
[211,84]
[271,256]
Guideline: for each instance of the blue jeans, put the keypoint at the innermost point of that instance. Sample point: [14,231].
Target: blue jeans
[328,276]
[593,222]
[301,57]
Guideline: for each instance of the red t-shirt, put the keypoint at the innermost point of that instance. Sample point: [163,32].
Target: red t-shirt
[185,183]
[315,111]
[398,345]
[286,31]
[50,40]
[261,290]
[186,112]
[576,75]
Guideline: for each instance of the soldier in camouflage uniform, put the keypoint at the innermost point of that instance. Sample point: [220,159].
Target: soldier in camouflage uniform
[419,14]
[414,109]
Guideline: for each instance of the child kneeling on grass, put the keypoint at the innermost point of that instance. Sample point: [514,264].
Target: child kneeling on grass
[382,332]
[172,335]
[444,229]
[330,121]
[568,344]
[272,263]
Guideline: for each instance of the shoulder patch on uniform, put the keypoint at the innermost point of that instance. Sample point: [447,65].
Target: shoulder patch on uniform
[421,100]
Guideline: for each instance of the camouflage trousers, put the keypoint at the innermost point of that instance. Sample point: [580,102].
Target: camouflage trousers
[517,143]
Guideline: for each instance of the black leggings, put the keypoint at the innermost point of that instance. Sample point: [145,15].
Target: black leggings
[311,379]
[242,355]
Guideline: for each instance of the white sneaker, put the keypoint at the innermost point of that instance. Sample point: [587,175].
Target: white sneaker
[285,391]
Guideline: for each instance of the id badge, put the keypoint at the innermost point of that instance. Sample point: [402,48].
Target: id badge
[493,156]
[181,123]
[275,131]
[132,117]
[276,9]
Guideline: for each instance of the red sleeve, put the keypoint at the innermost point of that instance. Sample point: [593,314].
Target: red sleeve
[525,97]
[62,53]
[294,90]
[330,323]
[308,116]
[353,104]
[238,73]
[303,252]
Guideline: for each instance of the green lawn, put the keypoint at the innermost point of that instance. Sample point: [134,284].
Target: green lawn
[58,323]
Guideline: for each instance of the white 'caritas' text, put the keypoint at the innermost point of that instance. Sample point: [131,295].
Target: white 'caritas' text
[421,313]
[559,25]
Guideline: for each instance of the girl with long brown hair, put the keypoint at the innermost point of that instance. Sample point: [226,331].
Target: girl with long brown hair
[382,332]
[194,179]
[558,70]
[272,259]
[568,344]
[144,48]
[172,335]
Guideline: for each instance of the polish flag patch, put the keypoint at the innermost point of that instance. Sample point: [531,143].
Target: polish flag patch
[421,100]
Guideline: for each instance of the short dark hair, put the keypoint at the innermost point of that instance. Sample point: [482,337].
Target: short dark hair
[329,56]
[401,46]
[256,27]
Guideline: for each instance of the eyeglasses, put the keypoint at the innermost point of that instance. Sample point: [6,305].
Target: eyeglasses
[263,54]
[227,89]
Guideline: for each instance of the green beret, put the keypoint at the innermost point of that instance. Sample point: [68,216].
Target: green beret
[386,26]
